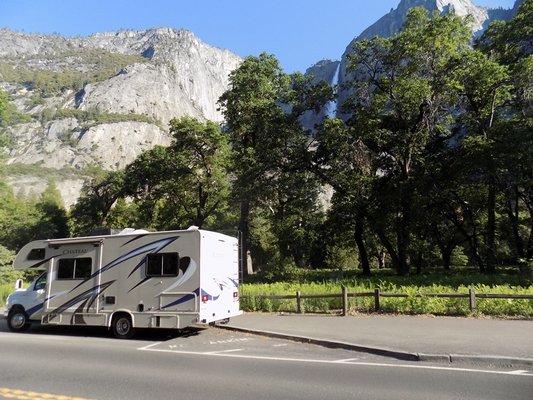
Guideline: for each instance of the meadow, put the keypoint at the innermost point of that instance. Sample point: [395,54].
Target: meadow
[415,286]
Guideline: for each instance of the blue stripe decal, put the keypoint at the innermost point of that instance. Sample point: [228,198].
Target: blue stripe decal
[36,308]
[191,296]
[153,247]
[183,299]
[95,291]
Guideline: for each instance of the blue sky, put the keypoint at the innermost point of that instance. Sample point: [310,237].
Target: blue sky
[299,32]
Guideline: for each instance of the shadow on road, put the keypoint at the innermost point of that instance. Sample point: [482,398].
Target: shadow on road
[156,335]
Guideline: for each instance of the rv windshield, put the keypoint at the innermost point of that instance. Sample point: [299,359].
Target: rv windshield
[40,282]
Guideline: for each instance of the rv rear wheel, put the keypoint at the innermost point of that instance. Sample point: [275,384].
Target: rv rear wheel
[122,326]
[17,320]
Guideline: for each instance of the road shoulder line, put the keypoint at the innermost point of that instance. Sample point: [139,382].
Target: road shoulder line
[352,363]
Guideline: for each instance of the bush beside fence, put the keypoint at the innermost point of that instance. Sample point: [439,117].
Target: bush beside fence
[483,300]
[5,290]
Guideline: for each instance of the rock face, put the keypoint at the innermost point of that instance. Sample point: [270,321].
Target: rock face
[323,71]
[109,120]
[28,185]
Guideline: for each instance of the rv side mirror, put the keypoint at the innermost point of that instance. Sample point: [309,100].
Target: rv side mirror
[18,284]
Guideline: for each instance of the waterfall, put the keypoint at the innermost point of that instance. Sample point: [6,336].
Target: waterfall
[331,106]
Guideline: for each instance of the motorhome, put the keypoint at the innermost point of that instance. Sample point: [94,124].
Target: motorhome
[134,279]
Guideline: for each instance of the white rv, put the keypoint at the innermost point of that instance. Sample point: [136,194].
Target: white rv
[129,280]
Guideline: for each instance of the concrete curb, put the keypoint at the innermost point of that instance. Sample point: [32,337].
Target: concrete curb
[500,361]
[492,360]
[380,351]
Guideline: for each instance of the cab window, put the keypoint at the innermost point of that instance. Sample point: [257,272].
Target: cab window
[40,282]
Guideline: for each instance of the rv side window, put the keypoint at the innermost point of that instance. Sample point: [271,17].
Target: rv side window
[162,264]
[65,268]
[83,268]
[74,268]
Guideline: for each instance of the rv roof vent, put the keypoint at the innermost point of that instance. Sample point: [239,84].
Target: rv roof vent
[192,228]
[129,231]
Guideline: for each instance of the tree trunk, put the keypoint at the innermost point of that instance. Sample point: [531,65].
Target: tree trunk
[491,225]
[244,229]
[513,214]
[402,235]
[388,246]
[381,259]
[446,256]
[474,246]
[419,260]
[359,240]
[529,248]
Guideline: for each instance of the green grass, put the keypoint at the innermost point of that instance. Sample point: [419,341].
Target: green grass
[42,172]
[94,117]
[433,282]
[101,65]
[5,290]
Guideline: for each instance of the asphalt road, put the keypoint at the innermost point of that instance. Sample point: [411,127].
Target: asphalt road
[218,364]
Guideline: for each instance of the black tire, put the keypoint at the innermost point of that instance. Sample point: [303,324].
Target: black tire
[18,320]
[122,326]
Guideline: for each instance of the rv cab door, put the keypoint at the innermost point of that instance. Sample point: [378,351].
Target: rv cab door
[73,280]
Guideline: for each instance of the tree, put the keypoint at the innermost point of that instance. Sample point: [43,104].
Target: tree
[9,113]
[255,120]
[186,183]
[342,161]
[53,222]
[400,114]
[510,44]
[98,195]
[483,86]
[25,219]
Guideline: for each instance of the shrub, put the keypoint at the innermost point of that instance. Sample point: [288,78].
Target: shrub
[417,302]
[5,290]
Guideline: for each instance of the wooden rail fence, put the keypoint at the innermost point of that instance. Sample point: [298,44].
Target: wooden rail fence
[472,296]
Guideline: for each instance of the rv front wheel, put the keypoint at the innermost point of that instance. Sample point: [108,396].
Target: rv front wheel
[122,326]
[17,320]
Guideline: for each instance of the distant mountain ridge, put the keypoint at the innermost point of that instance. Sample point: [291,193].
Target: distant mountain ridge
[101,100]
[119,92]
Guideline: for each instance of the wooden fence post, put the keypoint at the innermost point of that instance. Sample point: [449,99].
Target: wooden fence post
[472,299]
[344,301]
[376,299]
[298,302]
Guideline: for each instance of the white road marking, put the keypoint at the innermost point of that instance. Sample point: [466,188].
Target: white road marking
[280,345]
[358,363]
[148,346]
[223,351]
[345,360]
[518,372]
[232,340]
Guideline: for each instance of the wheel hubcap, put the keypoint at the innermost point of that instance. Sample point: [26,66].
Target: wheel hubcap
[18,320]
[123,326]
